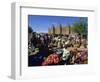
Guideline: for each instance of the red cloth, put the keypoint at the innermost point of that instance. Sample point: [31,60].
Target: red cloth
[51,59]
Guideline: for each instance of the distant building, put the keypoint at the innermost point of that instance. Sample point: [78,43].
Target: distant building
[51,30]
[59,30]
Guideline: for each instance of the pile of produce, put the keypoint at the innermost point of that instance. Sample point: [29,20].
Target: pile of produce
[51,59]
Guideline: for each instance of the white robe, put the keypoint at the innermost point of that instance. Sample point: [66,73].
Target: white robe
[65,55]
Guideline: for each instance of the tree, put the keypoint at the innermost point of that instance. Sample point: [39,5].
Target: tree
[80,26]
[30,30]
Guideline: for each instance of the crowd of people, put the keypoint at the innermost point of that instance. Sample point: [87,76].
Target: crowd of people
[57,49]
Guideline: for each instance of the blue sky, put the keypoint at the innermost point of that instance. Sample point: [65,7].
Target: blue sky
[42,23]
